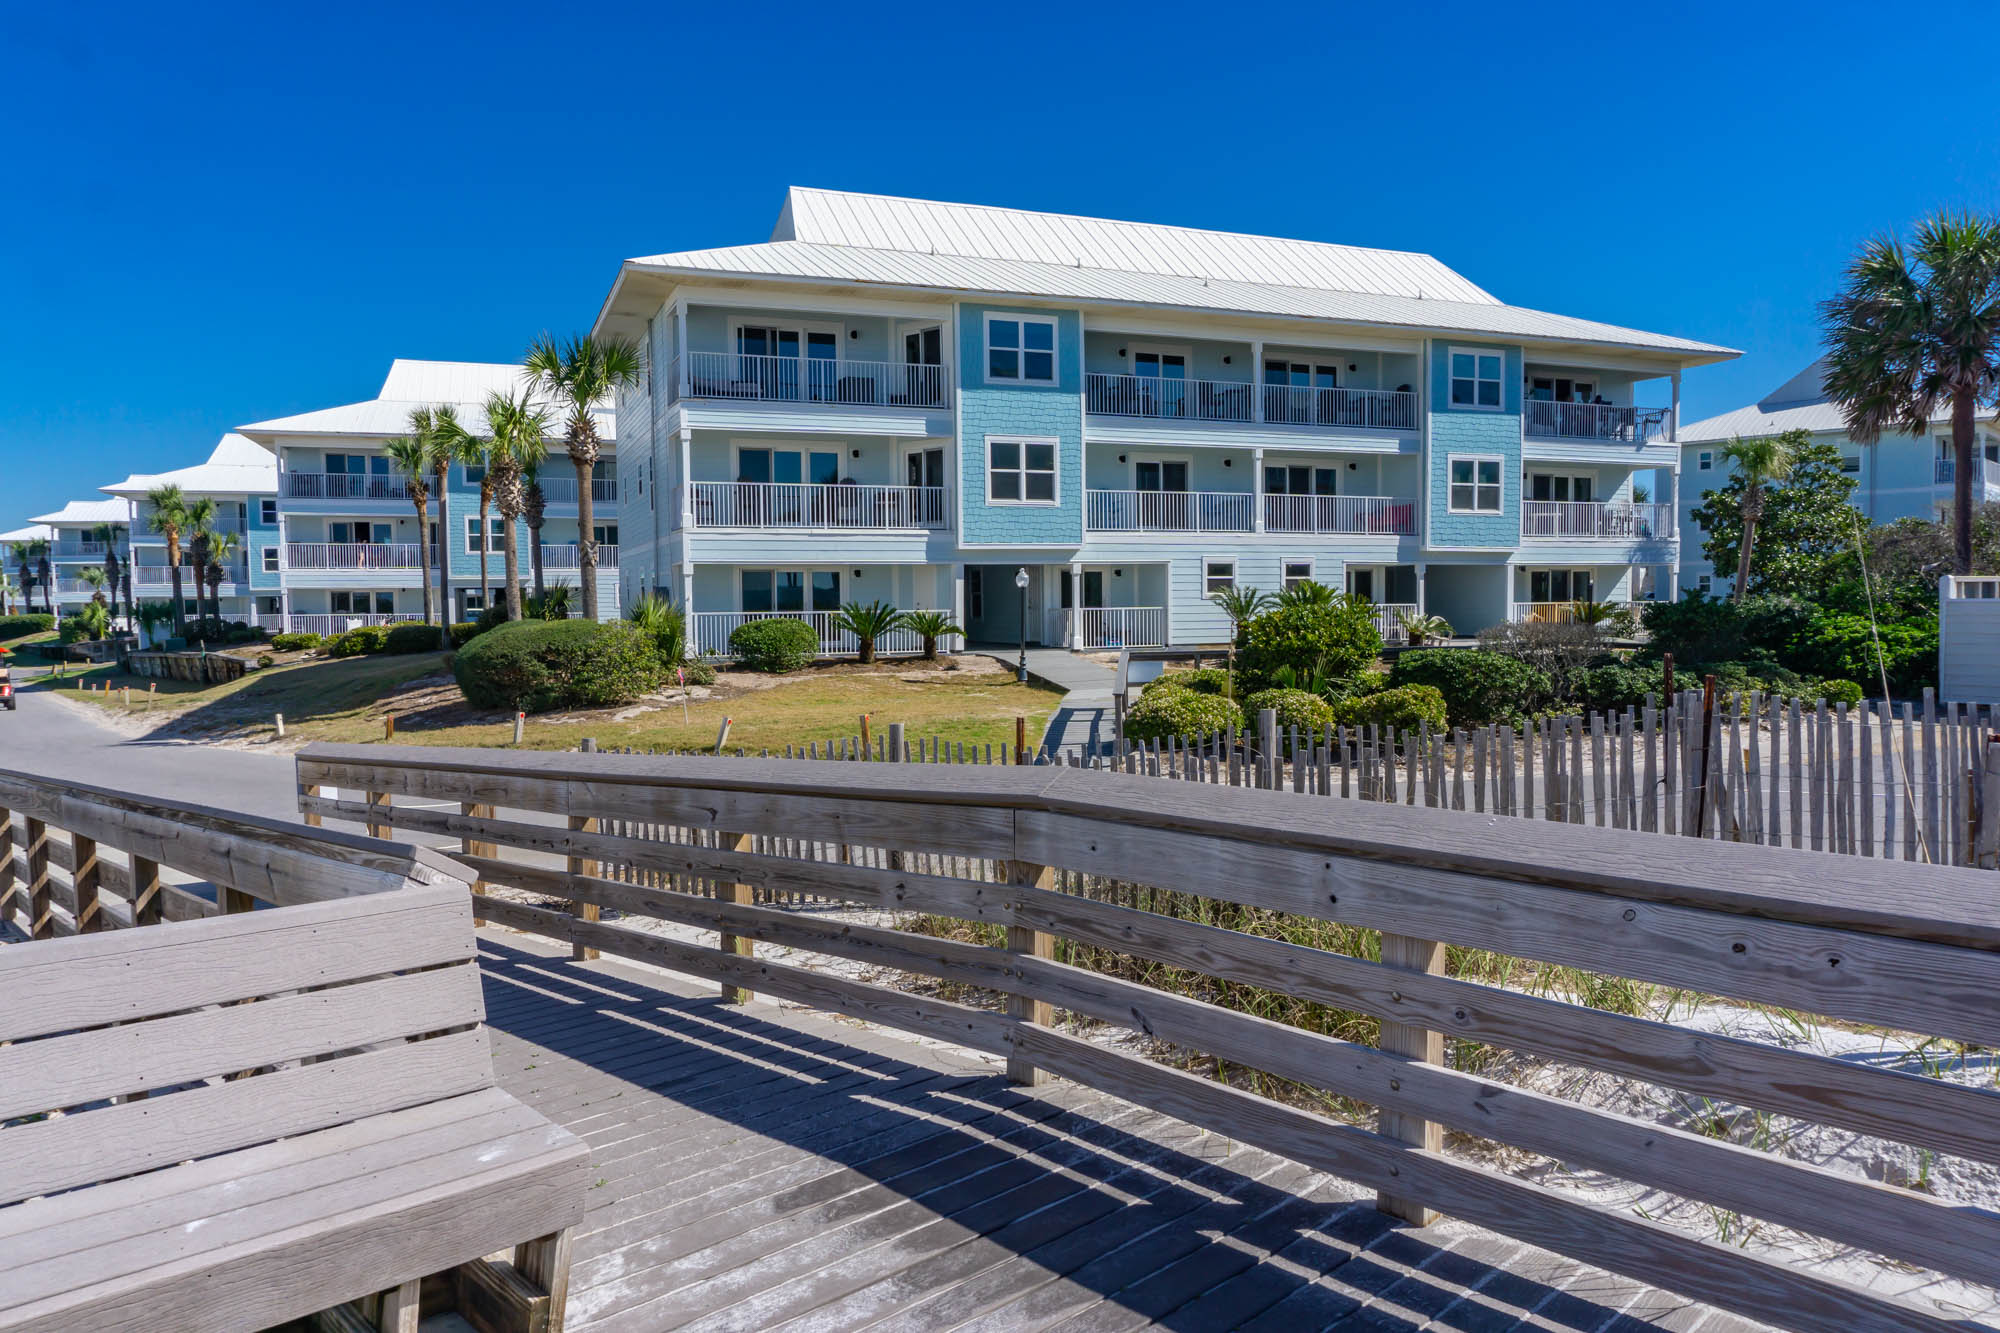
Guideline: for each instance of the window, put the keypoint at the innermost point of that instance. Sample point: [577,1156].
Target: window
[1020,350]
[1297,572]
[606,534]
[1159,474]
[475,473]
[821,467]
[356,465]
[1850,462]
[1704,460]
[1559,585]
[1705,584]
[1561,487]
[270,559]
[474,600]
[1475,380]
[477,539]
[360,603]
[1559,389]
[357,533]
[790,590]
[1286,480]
[1217,576]
[1475,485]
[267,513]
[1021,471]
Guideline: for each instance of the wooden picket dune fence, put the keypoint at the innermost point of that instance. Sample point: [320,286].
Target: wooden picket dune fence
[1879,945]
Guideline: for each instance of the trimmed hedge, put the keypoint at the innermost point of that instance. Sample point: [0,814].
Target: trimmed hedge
[1186,714]
[1477,687]
[26,623]
[1295,708]
[297,643]
[411,636]
[778,644]
[538,665]
[361,639]
[1405,708]
[464,632]
[1202,680]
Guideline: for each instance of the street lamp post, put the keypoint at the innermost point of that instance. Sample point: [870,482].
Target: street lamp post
[1021,583]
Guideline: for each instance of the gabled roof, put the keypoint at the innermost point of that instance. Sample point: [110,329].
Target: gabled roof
[34,532]
[88,512]
[826,237]
[1800,403]
[236,466]
[410,385]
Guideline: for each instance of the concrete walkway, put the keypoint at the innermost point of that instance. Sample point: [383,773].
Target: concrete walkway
[1085,715]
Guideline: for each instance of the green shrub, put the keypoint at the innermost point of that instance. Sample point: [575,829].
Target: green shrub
[297,643]
[26,623]
[1295,708]
[361,639]
[72,630]
[464,631]
[410,636]
[1711,629]
[537,665]
[1202,680]
[665,624]
[693,671]
[1333,639]
[248,634]
[1404,708]
[1841,692]
[779,643]
[1840,647]
[208,629]
[1478,687]
[1615,686]
[1188,715]
[266,660]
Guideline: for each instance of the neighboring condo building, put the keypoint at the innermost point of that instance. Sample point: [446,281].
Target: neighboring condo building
[1899,476]
[242,480]
[84,531]
[33,540]
[347,549]
[909,402]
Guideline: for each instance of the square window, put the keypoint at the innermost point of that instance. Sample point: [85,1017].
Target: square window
[1217,576]
[1021,471]
[1297,572]
[1475,485]
[1021,350]
[270,559]
[1475,380]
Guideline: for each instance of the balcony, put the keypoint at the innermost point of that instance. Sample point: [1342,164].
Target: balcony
[791,379]
[771,504]
[1584,520]
[1168,399]
[1124,627]
[1170,511]
[1362,515]
[161,576]
[1373,409]
[78,551]
[344,486]
[338,622]
[565,557]
[1985,471]
[358,555]
[1592,421]
[562,490]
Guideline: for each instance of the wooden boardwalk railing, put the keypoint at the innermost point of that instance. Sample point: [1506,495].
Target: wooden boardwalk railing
[1878,945]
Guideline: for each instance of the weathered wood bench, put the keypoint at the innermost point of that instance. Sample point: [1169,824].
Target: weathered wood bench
[252,1117]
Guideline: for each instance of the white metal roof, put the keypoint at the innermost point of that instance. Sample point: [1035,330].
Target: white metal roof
[410,385]
[236,466]
[34,532]
[973,231]
[1800,403]
[83,512]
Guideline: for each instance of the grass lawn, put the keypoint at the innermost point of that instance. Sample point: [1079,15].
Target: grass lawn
[347,700]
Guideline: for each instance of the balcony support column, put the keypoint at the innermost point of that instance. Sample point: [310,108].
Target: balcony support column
[1257,477]
[1076,604]
[1674,416]
[687,472]
[1423,577]
[681,352]
[958,601]
[1256,381]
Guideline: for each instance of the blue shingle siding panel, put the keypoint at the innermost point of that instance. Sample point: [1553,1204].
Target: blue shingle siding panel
[1039,411]
[1486,433]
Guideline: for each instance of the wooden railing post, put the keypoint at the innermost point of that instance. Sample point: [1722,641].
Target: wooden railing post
[580,865]
[146,903]
[1413,955]
[9,875]
[1035,944]
[472,846]
[739,894]
[86,879]
[311,793]
[379,800]
[41,925]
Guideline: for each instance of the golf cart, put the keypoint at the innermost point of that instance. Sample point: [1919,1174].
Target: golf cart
[6,682]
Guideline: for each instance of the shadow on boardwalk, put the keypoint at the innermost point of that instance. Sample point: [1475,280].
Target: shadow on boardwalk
[759,1169]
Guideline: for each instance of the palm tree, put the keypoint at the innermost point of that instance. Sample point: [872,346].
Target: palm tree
[1759,463]
[445,442]
[407,453]
[867,622]
[95,579]
[1914,330]
[930,626]
[519,432]
[1241,605]
[24,556]
[169,518]
[220,547]
[484,462]
[200,516]
[579,375]
[8,592]
[47,577]
[534,511]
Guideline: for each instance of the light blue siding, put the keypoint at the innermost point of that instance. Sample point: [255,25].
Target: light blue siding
[1033,411]
[1484,433]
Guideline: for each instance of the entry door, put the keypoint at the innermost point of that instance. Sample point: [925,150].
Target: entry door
[925,467]
[1160,475]
[1162,382]
[1361,582]
[1093,588]
[923,380]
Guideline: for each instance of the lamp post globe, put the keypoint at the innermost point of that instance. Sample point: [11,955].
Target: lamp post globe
[1021,585]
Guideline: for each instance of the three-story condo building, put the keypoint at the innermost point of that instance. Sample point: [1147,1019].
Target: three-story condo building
[83,531]
[913,402]
[241,480]
[348,550]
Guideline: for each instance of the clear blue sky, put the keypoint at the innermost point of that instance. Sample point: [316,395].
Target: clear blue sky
[215,214]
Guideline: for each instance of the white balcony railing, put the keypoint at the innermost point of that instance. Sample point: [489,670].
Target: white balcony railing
[772,504]
[1170,511]
[1169,399]
[565,557]
[78,551]
[338,622]
[161,576]
[1586,421]
[1370,515]
[1306,405]
[1984,470]
[272,621]
[711,631]
[1544,613]
[1596,521]
[792,379]
[1389,620]
[345,486]
[1124,627]
[562,490]
[358,555]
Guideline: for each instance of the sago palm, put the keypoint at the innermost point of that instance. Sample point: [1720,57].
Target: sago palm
[1760,463]
[1915,330]
[579,375]
[1307,592]
[168,516]
[930,626]
[407,456]
[867,622]
[518,434]
[1421,629]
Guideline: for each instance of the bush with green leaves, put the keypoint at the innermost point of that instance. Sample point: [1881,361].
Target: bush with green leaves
[465,631]
[1403,708]
[538,665]
[266,660]
[410,636]
[776,644]
[1841,692]
[665,624]
[1478,687]
[297,643]
[1700,629]
[1615,686]
[930,626]
[26,623]
[869,623]
[695,671]
[1295,708]
[1332,638]
[361,639]
[1183,714]
[1840,646]
[1202,680]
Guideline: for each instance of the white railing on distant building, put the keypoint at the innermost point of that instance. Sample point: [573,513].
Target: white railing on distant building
[273,621]
[780,504]
[1170,511]
[161,576]
[358,555]
[1368,515]
[793,379]
[345,486]
[1163,398]
[711,631]
[1585,421]
[339,622]
[1597,520]
[1124,627]
[78,551]
[562,490]
[1309,405]
[566,557]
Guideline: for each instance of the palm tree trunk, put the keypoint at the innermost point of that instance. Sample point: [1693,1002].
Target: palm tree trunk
[423,526]
[586,539]
[174,579]
[444,560]
[1743,555]
[509,545]
[1962,409]
[535,555]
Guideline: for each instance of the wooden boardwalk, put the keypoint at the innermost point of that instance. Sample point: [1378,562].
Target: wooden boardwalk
[757,1169]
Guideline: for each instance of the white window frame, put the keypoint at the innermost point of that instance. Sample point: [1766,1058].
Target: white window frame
[486,534]
[1137,459]
[1570,572]
[1055,444]
[805,573]
[1854,458]
[1185,353]
[1208,588]
[1704,460]
[270,559]
[1285,582]
[1500,382]
[838,448]
[267,512]
[1704,584]
[1572,478]
[1499,484]
[1020,378]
